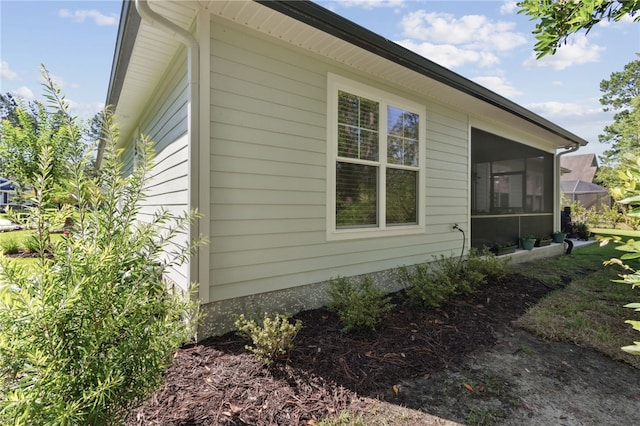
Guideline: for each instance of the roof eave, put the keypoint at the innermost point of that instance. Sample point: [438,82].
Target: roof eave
[331,23]
[127,31]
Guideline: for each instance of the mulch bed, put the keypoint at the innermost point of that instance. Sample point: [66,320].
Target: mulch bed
[219,383]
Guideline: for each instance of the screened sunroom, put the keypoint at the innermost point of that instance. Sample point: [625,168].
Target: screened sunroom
[511,190]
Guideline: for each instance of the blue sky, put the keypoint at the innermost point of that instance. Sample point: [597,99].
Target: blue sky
[485,41]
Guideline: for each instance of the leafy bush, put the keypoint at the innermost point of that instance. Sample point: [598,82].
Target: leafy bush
[629,195]
[31,244]
[10,246]
[425,287]
[487,263]
[86,334]
[272,338]
[432,283]
[359,306]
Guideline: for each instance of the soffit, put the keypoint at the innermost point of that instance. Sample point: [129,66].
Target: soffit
[155,48]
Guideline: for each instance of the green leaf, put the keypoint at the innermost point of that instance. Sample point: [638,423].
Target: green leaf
[632,349]
[634,324]
[635,306]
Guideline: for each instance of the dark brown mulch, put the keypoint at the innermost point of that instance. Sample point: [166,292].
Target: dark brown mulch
[219,383]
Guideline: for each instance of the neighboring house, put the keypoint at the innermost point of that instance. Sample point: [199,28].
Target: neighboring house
[315,148]
[577,177]
[579,167]
[7,191]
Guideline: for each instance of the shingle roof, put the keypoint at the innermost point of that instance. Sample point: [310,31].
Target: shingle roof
[582,167]
[581,187]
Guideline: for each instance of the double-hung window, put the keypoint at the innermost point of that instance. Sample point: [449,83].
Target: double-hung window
[375,161]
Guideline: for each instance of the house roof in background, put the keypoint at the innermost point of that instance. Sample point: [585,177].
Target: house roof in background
[582,167]
[6,185]
[143,52]
[581,187]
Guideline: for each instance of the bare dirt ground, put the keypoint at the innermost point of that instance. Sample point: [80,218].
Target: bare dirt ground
[466,362]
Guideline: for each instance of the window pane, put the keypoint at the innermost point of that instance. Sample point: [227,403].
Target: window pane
[369,112]
[411,152]
[535,185]
[394,121]
[410,127]
[348,141]
[368,145]
[402,197]
[507,193]
[348,109]
[395,151]
[356,195]
[402,137]
[357,127]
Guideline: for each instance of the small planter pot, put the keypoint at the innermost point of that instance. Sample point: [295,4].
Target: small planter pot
[542,242]
[502,250]
[527,243]
[558,238]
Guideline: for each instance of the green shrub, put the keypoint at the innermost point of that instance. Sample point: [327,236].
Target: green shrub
[433,283]
[31,244]
[426,287]
[86,334]
[10,245]
[272,338]
[359,306]
[487,263]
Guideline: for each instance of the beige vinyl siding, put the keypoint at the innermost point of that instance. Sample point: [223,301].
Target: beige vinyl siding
[165,124]
[269,172]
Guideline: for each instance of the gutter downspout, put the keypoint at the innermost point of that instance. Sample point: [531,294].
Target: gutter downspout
[153,18]
[569,149]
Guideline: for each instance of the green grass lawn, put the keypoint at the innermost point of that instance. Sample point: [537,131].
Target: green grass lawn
[589,310]
[18,240]
[620,232]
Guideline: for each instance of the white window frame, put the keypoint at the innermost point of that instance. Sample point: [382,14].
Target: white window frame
[336,83]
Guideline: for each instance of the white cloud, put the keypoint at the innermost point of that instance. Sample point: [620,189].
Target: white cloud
[469,30]
[82,15]
[498,85]
[553,109]
[6,72]
[584,117]
[577,51]
[476,37]
[626,19]
[508,8]
[24,92]
[372,4]
[85,110]
[450,56]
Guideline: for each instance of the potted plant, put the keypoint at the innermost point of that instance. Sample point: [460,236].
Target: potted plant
[582,231]
[542,241]
[500,249]
[558,237]
[527,241]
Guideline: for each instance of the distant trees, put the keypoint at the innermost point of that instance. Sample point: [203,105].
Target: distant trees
[28,127]
[621,94]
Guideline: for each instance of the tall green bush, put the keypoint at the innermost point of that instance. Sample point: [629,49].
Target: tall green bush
[86,332]
[629,195]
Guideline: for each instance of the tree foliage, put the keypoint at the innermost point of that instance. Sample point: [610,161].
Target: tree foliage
[629,194]
[87,331]
[620,94]
[26,128]
[559,19]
